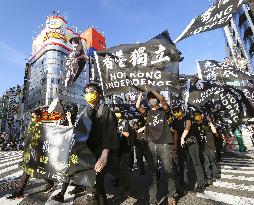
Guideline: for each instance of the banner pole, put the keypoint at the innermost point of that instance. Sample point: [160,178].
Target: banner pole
[99,70]
[199,71]
[187,95]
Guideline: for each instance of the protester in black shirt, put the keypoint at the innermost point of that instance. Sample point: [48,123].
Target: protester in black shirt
[183,126]
[204,130]
[141,145]
[122,154]
[178,125]
[160,142]
[96,119]
[102,138]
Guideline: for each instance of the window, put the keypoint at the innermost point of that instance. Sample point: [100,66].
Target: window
[50,100]
[248,33]
[242,19]
[52,80]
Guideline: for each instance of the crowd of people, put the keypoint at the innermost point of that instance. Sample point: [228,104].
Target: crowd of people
[164,136]
[8,144]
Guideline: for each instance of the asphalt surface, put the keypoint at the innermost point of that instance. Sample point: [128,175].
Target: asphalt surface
[236,185]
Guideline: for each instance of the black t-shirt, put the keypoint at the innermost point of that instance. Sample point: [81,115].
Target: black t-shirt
[123,126]
[103,130]
[158,130]
[204,134]
[179,126]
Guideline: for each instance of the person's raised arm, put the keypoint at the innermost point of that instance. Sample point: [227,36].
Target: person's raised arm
[141,129]
[162,100]
[210,123]
[186,131]
[68,116]
[138,104]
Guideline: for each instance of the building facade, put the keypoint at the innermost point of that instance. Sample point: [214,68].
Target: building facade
[46,71]
[46,66]
[240,39]
[11,116]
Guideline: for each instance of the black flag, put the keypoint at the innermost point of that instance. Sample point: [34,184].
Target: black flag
[214,70]
[245,99]
[215,17]
[248,93]
[75,62]
[153,65]
[202,92]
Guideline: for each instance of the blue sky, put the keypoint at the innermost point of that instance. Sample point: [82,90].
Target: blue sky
[123,21]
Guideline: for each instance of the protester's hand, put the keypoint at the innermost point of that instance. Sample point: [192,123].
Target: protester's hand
[141,94]
[100,164]
[68,115]
[182,141]
[209,118]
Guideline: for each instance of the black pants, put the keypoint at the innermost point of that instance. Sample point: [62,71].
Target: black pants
[181,179]
[141,149]
[164,151]
[131,158]
[211,169]
[194,153]
[121,167]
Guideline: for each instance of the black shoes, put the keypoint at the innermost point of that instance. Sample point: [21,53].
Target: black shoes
[142,172]
[126,193]
[59,197]
[49,188]
[200,189]
[78,189]
[209,182]
[16,195]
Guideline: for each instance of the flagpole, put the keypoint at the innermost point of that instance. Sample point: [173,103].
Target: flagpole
[187,95]
[199,71]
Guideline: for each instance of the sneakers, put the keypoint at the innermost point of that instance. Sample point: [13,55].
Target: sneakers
[59,197]
[16,195]
[171,201]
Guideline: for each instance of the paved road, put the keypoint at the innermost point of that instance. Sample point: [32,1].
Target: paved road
[236,185]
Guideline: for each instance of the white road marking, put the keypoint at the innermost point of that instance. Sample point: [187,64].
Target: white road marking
[226,198]
[228,185]
[237,171]
[241,178]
